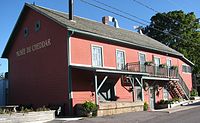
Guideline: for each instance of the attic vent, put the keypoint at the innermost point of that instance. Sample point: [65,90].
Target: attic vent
[107,19]
[37,25]
[26,32]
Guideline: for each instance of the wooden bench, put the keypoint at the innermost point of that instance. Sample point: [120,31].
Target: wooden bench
[9,107]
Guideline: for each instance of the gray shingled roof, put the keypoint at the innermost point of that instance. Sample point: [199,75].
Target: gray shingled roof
[86,25]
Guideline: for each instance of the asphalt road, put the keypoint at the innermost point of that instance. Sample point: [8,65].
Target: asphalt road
[187,116]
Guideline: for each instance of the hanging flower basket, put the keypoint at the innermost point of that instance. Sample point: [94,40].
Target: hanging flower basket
[149,63]
[174,67]
[163,66]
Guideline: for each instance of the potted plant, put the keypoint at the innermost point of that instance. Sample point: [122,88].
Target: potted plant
[145,106]
[163,66]
[148,63]
[174,67]
[162,104]
[90,108]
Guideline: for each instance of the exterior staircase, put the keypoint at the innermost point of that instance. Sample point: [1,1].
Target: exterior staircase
[179,89]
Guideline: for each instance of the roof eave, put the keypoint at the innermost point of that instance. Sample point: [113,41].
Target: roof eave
[188,61]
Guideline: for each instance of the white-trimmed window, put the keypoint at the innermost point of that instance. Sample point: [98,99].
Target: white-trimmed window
[97,57]
[186,69]
[157,63]
[169,63]
[120,59]
[142,59]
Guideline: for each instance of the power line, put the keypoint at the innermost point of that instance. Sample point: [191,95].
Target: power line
[122,11]
[146,6]
[154,10]
[133,16]
[112,12]
[125,17]
[91,4]
[165,16]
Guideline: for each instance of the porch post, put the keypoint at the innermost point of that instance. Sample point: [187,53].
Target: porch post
[132,83]
[95,88]
[142,89]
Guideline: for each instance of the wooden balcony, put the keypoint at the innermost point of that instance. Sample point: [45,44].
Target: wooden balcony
[155,71]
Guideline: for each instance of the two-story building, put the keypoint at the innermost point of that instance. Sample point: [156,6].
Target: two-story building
[56,58]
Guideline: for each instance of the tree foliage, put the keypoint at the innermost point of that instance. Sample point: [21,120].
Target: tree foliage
[179,31]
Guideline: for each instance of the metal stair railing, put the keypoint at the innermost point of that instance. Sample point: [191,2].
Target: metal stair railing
[184,87]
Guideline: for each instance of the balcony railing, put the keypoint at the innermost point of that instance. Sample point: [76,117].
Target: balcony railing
[152,70]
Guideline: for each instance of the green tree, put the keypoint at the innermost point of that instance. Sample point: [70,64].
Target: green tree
[179,31]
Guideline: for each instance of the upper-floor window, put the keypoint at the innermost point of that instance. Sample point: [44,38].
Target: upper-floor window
[169,63]
[186,69]
[120,59]
[97,57]
[157,61]
[142,59]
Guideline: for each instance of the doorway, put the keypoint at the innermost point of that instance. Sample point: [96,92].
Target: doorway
[152,97]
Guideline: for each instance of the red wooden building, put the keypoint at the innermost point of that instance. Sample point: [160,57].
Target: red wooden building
[56,59]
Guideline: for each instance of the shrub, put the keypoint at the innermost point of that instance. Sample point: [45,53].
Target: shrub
[1,111]
[25,110]
[175,99]
[42,109]
[194,93]
[90,107]
[145,106]
[165,102]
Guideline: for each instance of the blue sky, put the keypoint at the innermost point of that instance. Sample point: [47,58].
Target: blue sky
[10,10]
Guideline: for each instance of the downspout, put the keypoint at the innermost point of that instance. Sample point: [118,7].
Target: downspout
[69,74]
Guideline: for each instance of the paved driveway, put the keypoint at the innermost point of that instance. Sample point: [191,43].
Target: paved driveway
[185,114]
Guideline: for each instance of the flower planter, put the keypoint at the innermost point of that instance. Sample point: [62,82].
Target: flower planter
[41,116]
[161,106]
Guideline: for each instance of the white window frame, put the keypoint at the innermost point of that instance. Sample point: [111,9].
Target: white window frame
[142,54]
[118,50]
[157,58]
[168,67]
[102,54]
[170,62]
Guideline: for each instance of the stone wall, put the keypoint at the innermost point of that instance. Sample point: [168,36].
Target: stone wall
[110,108]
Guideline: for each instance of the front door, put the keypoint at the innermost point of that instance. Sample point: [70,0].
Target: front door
[152,97]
